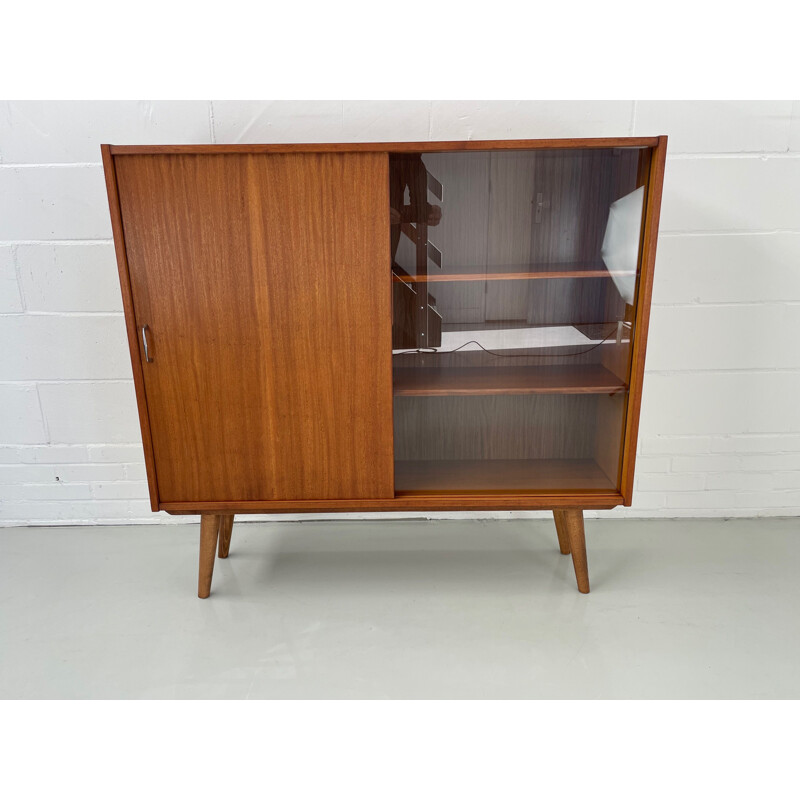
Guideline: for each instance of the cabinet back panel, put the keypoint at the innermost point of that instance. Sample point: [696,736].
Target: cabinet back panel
[494,427]
[264,281]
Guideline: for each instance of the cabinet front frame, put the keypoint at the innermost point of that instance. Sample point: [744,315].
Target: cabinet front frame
[130,323]
[411,502]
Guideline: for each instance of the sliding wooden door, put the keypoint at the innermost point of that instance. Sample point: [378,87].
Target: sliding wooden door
[260,284]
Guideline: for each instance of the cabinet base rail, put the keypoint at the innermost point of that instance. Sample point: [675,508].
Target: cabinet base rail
[216,530]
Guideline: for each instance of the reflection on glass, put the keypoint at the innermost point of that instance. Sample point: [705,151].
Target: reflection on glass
[514,277]
[417,323]
[620,250]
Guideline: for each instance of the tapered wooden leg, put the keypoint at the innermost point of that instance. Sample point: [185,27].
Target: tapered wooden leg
[573,518]
[209,529]
[225,530]
[561,530]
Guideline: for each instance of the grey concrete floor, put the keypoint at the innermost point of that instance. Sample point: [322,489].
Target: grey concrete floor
[403,609]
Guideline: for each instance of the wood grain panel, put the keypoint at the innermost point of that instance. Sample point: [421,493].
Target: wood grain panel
[561,530]
[573,520]
[410,501]
[574,185]
[608,434]
[509,237]
[616,358]
[533,426]
[130,323]
[388,147]
[264,280]
[653,179]
[461,232]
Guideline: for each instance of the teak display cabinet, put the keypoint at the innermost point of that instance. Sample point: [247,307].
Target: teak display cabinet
[383,327]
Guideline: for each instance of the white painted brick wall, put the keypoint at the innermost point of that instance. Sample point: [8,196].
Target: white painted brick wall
[741,193]
[708,127]
[21,420]
[10,295]
[43,202]
[720,432]
[107,412]
[728,268]
[70,132]
[63,347]
[54,277]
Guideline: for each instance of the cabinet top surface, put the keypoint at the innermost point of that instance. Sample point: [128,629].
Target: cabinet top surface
[387,147]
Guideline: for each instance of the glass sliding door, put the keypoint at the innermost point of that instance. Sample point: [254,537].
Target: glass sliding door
[514,277]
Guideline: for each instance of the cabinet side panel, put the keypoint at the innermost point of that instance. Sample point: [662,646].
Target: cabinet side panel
[263,280]
[130,323]
[643,299]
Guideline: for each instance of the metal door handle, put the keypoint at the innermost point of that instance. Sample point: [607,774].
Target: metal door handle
[147,358]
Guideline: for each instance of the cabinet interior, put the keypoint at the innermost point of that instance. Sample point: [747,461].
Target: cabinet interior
[514,281]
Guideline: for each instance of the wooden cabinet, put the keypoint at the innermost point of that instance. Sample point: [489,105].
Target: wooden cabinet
[412,326]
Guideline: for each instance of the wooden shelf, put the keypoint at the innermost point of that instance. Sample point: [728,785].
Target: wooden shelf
[490,476]
[561,274]
[448,381]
